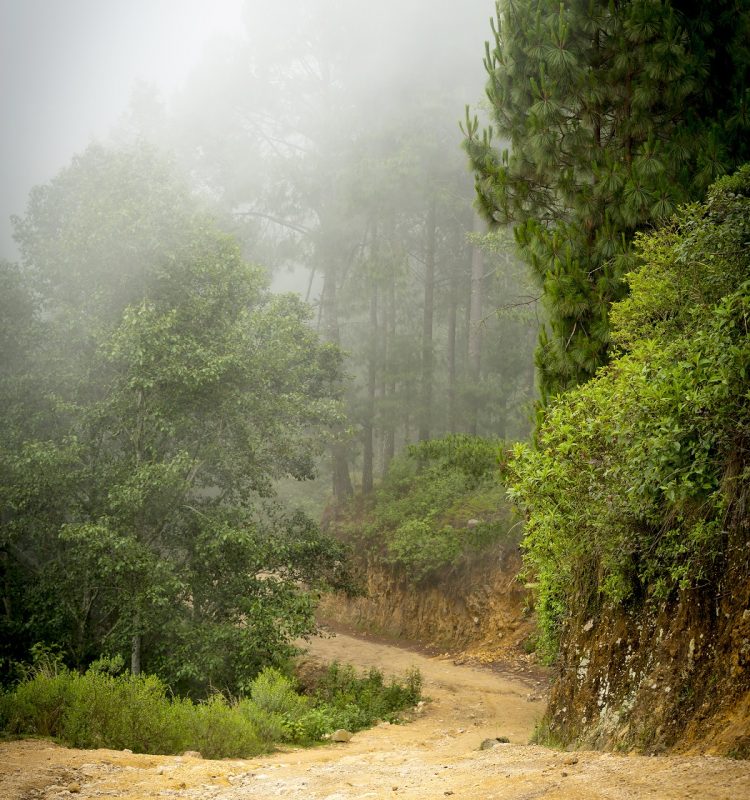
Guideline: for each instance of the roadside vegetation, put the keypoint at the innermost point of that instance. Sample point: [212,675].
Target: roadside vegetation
[634,492]
[105,708]
[439,506]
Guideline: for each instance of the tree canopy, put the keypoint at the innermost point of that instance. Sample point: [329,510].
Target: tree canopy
[613,114]
[168,390]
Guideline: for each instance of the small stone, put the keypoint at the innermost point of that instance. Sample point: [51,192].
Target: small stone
[589,625]
[570,761]
[472,523]
[488,744]
[341,735]
[192,754]
[74,788]
[128,751]
[564,774]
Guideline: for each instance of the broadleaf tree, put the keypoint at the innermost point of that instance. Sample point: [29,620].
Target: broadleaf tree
[174,389]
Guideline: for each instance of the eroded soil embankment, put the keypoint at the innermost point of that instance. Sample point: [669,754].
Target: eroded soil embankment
[435,756]
[478,611]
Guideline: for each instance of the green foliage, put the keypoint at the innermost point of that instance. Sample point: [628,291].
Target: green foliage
[99,709]
[418,518]
[615,113]
[155,391]
[471,456]
[627,493]
[422,547]
[357,701]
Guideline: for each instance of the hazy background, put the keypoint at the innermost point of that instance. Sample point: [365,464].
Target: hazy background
[68,67]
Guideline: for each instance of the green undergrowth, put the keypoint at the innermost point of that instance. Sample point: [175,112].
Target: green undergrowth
[440,505]
[547,737]
[629,495]
[100,709]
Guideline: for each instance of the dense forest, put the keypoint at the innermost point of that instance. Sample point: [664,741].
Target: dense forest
[283,326]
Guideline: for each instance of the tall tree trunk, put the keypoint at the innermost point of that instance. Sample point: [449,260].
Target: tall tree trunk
[342,482]
[452,332]
[425,420]
[389,443]
[135,648]
[367,428]
[475,328]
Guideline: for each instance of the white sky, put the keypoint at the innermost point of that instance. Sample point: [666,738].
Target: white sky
[67,68]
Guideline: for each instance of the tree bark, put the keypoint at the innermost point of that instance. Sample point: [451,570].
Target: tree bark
[389,438]
[452,334]
[425,421]
[135,654]
[475,328]
[342,482]
[368,449]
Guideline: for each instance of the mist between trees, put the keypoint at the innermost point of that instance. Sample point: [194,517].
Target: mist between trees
[160,399]
[158,396]
[346,179]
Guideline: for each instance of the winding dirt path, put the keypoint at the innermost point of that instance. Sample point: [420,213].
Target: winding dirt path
[435,756]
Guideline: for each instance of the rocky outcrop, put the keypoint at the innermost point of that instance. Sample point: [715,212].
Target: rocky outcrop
[672,678]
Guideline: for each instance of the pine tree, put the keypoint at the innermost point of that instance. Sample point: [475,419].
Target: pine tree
[616,112]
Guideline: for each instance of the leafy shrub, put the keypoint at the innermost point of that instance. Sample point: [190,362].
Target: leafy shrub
[423,547]
[358,701]
[273,692]
[269,726]
[627,492]
[418,520]
[103,710]
[221,730]
[36,706]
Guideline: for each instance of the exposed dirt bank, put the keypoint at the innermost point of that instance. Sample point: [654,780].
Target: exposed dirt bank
[676,678]
[477,611]
[435,756]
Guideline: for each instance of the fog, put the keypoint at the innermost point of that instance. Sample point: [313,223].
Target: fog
[241,273]
[68,69]
[323,136]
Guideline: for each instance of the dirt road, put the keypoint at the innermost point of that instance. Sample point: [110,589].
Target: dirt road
[436,756]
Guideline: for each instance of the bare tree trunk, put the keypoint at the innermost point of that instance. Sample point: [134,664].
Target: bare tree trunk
[452,330]
[135,649]
[475,328]
[425,420]
[367,429]
[342,482]
[389,443]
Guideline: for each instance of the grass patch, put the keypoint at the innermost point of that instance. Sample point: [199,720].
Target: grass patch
[544,735]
